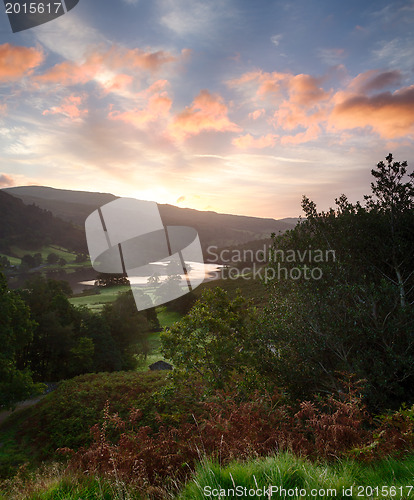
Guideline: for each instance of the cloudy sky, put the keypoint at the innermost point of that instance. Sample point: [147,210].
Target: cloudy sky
[236,106]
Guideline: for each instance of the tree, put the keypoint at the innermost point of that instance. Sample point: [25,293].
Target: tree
[28,261]
[215,339]
[108,279]
[359,316]
[48,353]
[4,262]
[52,258]
[128,327]
[16,329]
[394,198]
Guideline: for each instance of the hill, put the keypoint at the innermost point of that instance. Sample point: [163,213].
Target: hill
[213,228]
[31,227]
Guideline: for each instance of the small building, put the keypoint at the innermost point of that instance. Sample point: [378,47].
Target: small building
[160,365]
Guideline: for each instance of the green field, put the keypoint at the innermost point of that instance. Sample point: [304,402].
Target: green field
[16,253]
[44,252]
[97,301]
[14,261]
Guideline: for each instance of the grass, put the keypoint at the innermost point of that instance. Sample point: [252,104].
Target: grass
[14,261]
[55,483]
[167,318]
[293,477]
[345,479]
[96,302]
[44,252]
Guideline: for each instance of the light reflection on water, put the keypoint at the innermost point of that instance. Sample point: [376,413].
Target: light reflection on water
[207,271]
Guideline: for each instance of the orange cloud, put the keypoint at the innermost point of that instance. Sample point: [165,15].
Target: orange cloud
[265,84]
[15,62]
[70,107]
[207,112]
[158,106]
[100,62]
[69,73]
[389,114]
[311,133]
[117,57]
[248,141]
[254,115]
[305,90]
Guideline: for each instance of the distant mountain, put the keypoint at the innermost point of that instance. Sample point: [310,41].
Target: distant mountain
[213,228]
[72,206]
[30,227]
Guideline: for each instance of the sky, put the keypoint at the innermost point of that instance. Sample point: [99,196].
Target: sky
[235,106]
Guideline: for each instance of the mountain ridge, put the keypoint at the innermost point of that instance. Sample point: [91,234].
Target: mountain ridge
[214,228]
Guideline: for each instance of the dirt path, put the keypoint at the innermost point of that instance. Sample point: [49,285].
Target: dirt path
[20,406]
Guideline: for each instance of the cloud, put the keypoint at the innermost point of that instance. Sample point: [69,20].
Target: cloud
[305,90]
[261,83]
[208,112]
[104,64]
[6,180]
[158,106]
[275,39]
[389,114]
[396,53]
[249,142]
[301,104]
[71,37]
[310,134]
[374,80]
[16,62]
[196,17]
[254,115]
[70,107]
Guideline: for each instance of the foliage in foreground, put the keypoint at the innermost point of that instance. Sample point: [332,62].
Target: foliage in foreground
[357,312]
[284,470]
[290,472]
[226,427]
[64,417]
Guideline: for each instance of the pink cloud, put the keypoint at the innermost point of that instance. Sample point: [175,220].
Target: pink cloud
[310,134]
[70,107]
[6,180]
[69,73]
[300,102]
[374,80]
[15,61]
[208,112]
[249,142]
[117,83]
[158,106]
[254,115]
[100,61]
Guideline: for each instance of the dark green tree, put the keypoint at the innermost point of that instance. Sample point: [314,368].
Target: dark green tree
[358,317]
[16,330]
[215,339]
[128,327]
